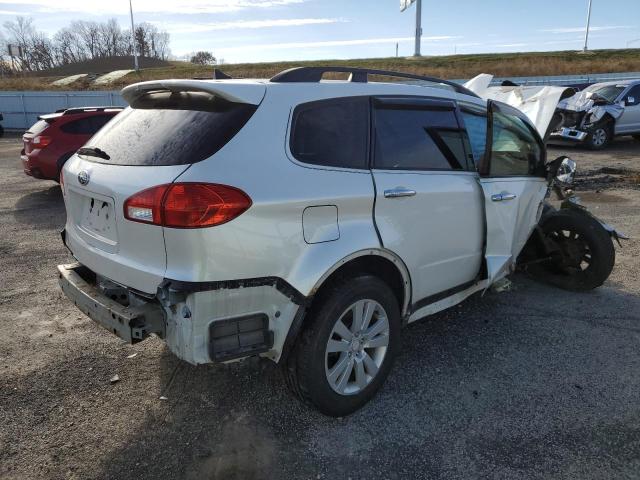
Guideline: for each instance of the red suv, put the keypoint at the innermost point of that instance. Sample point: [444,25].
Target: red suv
[57,136]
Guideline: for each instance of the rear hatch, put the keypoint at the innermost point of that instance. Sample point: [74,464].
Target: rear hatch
[37,130]
[169,126]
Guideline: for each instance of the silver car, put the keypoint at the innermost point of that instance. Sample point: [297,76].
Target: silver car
[599,113]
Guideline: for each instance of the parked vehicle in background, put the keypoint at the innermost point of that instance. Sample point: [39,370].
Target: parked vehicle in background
[308,221]
[599,113]
[51,141]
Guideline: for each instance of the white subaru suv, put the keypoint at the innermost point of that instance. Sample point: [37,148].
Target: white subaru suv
[299,219]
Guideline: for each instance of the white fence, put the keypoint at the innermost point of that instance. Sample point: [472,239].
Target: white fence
[21,109]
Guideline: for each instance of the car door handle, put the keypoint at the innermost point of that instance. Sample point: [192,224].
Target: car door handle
[499,197]
[399,192]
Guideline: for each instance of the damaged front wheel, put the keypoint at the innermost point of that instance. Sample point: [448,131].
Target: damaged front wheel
[584,255]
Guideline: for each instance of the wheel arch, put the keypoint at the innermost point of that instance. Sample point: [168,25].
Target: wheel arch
[380,262]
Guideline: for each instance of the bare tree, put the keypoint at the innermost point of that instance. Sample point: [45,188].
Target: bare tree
[81,40]
[68,46]
[89,33]
[20,32]
[110,36]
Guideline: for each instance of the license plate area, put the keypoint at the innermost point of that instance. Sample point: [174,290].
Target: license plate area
[97,220]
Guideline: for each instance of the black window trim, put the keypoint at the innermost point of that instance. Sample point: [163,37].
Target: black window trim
[420,102]
[328,101]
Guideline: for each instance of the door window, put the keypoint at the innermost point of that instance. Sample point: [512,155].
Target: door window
[419,139]
[332,132]
[516,150]
[633,96]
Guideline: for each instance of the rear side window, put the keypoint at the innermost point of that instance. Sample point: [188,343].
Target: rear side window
[419,139]
[87,125]
[170,128]
[333,133]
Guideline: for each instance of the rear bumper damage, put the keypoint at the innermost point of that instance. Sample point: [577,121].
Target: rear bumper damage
[201,322]
[130,323]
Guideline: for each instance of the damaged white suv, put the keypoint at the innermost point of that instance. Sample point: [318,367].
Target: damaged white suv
[301,220]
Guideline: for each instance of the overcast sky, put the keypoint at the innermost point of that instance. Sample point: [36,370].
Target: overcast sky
[270,30]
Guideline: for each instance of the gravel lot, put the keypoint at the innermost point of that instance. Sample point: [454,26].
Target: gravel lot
[530,383]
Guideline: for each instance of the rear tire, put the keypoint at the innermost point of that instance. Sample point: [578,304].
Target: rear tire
[1,131]
[339,363]
[636,137]
[588,255]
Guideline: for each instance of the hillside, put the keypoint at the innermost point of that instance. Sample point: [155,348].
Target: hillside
[102,65]
[452,67]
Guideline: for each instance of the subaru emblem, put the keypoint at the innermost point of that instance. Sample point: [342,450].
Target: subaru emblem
[83,177]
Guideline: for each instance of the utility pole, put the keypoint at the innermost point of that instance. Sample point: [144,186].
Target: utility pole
[396,49]
[133,40]
[586,35]
[419,27]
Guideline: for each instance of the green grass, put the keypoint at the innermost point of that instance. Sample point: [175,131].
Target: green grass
[451,67]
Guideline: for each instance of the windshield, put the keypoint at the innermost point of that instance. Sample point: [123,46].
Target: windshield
[609,92]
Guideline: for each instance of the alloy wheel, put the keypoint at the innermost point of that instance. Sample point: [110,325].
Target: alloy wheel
[357,347]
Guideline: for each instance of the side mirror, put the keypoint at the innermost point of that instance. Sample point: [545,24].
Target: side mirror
[566,171]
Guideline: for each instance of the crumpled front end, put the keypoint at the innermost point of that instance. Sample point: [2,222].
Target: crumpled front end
[578,115]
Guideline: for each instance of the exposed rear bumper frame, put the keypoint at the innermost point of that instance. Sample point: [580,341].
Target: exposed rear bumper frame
[131,323]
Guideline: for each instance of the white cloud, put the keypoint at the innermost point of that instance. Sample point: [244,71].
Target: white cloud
[583,29]
[243,24]
[337,43]
[98,7]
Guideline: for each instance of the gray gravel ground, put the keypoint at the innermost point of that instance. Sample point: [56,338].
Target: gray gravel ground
[531,383]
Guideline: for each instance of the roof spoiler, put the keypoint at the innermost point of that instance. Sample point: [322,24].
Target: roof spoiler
[250,93]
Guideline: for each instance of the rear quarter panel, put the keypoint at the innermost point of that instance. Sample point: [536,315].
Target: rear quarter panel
[268,239]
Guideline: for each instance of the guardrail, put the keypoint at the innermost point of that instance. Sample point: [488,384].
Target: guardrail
[568,79]
[21,109]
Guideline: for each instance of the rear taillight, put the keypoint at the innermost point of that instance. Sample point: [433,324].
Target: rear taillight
[187,205]
[41,141]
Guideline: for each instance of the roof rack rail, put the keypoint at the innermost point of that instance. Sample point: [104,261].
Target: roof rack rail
[67,111]
[314,74]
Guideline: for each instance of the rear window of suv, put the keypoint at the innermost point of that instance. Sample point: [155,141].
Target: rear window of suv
[170,128]
[332,133]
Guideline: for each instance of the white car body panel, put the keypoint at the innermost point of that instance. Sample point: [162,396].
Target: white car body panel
[510,222]
[439,232]
[435,239]
[137,259]
[238,91]
[537,103]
